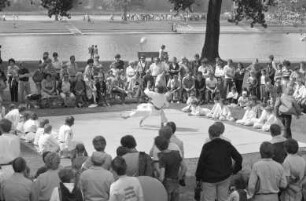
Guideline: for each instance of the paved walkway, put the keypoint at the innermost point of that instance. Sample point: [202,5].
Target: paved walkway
[192,130]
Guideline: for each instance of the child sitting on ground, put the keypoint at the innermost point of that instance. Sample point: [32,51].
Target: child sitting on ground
[40,130]
[243,99]
[192,99]
[196,109]
[250,113]
[232,96]
[220,111]
[266,119]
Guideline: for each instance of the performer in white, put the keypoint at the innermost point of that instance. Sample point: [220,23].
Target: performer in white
[155,106]
[65,137]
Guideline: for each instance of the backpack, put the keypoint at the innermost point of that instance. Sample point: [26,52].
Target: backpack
[145,165]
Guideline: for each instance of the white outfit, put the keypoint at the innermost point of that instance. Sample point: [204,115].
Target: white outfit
[47,143]
[198,111]
[65,138]
[220,113]
[248,116]
[189,103]
[265,121]
[38,134]
[126,189]
[14,117]
[155,107]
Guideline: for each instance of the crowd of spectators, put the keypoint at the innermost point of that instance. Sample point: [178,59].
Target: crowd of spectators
[136,175]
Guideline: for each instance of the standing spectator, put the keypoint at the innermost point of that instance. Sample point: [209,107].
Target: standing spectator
[3,84]
[73,69]
[14,116]
[188,84]
[195,64]
[303,70]
[24,84]
[200,87]
[285,74]
[263,81]
[272,62]
[65,137]
[267,176]
[285,107]
[161,80]
[156,68]
[162,53]
[174,67]
[9,149]
[142,66]
[46,182]
[174,139]
[57,64]
[171,168]
[47,142]
[65,90]
[215,166]
[138,163]
[294,166]
[211,86]
[38,77]
[253,82]
[118,64]
[96,181]
[229,74]
[271,72]
[96,50]
[219,70]
[205,68]
[12,74]
[184,68]
[68,188]
[99,144]
[125,187]
[17,187]
[239,76]
[278,143]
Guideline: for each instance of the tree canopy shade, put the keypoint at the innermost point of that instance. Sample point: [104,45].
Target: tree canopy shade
[251,10]
[3,4]
[57,7]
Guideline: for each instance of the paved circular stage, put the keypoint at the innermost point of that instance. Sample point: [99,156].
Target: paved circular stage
[192,130]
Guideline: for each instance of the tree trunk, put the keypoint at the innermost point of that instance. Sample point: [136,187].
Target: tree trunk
[211,45]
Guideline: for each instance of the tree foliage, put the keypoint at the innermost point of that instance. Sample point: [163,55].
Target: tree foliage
[3,4]
[57,7]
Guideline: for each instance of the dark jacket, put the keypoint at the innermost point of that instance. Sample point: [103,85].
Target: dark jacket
[145,165]
[215,162]
[279,152]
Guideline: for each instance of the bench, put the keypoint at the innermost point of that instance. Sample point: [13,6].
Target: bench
[149,54]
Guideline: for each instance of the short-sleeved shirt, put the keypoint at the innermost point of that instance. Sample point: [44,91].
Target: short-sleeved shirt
[171,161]
[211,83]
[229,72]
[126,189]
[23,71]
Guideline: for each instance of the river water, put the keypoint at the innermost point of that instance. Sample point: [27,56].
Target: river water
[243,47]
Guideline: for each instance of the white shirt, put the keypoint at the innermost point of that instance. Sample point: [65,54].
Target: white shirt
[172,146]
[30,126]
[47,143]
[130,72]
[204,71]
[219,72]
[156,69]
[57,64]
[65,136]
[14,117]
[229,72]
[39,133]
[126,189]
[9,148]
[158,100]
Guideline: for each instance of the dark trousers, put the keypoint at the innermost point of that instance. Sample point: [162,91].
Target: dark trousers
[238,84]
[228,83]
[13,86]
[286,121]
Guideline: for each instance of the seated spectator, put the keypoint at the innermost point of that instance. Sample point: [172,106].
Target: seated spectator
[38,77]
[243,99]
[17,187]
[220,89]
[102,90]
[79,90]
[138,163]
[48,87]
[23,118]
[232,96]
[197,110]
[211,86]
[68,188]
[174,139]
[124,185]
[200,87]
[99,144]
[65,137]
[266,119]
[192,99]
[278,143]
[300,93]
[30,128]
[64,88]
[267,176]
[47,142]
[148,79]
[95,182]
[118,64]
[40,130]
[294,166]
[171,167]
[270,93]
[116,89]
[221,111]
[138,90]
[14,116]
[251,112]
[188,84]
[131,75]
[174,87]
[46,182]
[44,168]
[79,156]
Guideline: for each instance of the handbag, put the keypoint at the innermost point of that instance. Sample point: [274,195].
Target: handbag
[197,191]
